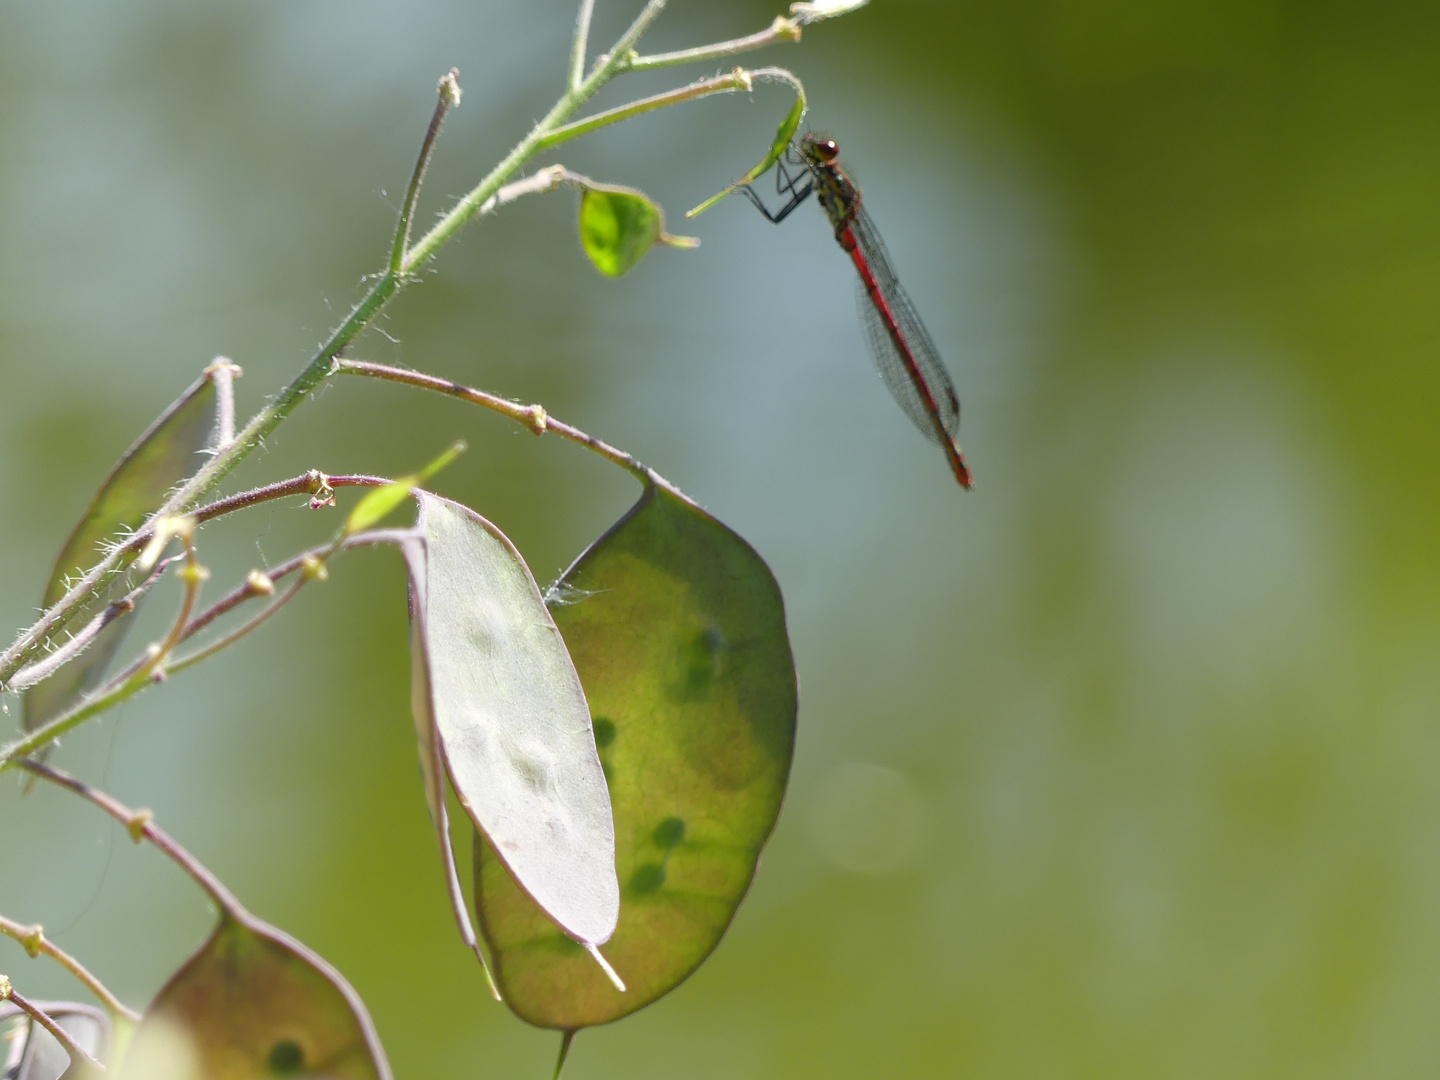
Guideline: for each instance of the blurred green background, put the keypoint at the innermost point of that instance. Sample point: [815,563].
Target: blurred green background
[1124,765]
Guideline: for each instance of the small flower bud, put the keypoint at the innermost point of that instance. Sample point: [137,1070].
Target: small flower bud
[33,940]
[166,529]
[194,574]
[137,822]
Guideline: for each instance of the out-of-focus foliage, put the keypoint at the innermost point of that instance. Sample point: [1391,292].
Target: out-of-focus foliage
[32,1053]
[253,1002]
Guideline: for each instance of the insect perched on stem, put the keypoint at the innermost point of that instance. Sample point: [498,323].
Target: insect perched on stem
[906,357]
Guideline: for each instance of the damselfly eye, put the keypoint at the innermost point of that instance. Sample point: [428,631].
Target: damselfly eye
[818,149]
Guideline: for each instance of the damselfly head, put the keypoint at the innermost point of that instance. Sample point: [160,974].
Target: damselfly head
[820,150]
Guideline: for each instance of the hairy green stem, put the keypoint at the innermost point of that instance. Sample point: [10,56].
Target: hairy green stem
[738,79]
[580,44]
[782,29]
[449,94]
[729,83]
[210,475]
[426,247]
[125,685]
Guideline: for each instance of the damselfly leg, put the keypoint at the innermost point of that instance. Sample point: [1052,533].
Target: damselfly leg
[798,187]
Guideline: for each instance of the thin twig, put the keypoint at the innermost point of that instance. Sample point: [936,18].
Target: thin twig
[263,584]
[33,940]
[546,180]
[580,44]
[533,417]
[739,79]
[313,483]
[248,591]
[193,575]
[426,247]
[140,824]
[228,639]
[78,1054]
[253,587]
[449,95]
[782,29]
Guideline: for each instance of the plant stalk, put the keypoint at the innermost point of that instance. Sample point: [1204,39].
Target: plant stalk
[78,1054]
[33,940]
[781,30]
[449,95]
[533,417]
[551,130]
[581,43]
[140,824]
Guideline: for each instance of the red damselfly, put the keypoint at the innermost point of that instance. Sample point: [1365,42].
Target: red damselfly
[906,357]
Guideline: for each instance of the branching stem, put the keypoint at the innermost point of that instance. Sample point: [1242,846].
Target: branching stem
[313,483]
[781,30]
[426,247]
[228,639]
[551,130]
[42,669]
[152,664]
[78,1054]
[739,79]
[33,940]
[124,685]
